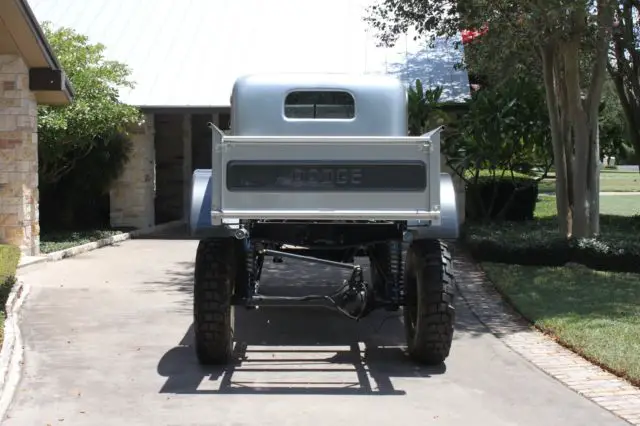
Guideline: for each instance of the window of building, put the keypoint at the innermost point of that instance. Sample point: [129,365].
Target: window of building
[319,104]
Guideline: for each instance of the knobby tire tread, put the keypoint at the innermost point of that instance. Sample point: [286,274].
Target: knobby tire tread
[431,270]
[214,283]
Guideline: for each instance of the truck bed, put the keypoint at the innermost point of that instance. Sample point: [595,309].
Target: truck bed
[325,178]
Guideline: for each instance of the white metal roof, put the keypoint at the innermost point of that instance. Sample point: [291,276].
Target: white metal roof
[187,53]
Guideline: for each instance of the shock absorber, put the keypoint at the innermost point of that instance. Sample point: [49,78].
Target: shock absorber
[396,269]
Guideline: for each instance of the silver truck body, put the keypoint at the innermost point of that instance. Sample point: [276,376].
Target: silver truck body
[300,148]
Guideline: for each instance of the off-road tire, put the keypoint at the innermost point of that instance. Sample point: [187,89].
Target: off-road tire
[429,314]
[220,263]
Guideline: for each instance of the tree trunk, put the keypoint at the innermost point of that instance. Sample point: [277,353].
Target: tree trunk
[631,108]
[594,172]
[591,108]
[558,133]
[625,69]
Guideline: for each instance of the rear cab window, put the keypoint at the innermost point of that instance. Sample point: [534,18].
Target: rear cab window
[319,104]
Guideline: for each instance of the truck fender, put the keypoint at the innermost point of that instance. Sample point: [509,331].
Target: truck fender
[200,214]
[449,227]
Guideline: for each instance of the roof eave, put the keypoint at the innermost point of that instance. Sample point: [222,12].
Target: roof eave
[45,47]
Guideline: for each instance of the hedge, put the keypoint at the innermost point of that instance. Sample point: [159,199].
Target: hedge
[537,243]
[491,191]
[9,259]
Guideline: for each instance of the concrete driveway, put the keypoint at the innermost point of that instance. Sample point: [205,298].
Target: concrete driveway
[108,338]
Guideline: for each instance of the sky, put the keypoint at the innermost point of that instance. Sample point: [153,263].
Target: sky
[189,52]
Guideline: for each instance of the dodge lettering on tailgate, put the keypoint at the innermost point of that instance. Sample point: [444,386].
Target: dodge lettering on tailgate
[334,176]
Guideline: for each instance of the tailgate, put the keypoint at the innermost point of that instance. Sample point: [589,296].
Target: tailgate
[326,178]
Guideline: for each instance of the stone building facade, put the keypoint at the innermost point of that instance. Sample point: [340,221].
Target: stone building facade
[155,187]
[29,75]
[18,157]
[132,196]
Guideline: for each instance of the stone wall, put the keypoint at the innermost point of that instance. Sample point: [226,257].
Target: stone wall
[132,196]
[19,221]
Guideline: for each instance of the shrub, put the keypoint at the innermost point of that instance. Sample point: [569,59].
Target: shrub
[511,198]
[9,259]
[607,255]
[537,243]
[80,198]
[501,148]
[82,146]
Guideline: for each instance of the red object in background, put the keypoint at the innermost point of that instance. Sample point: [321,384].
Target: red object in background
[469,35]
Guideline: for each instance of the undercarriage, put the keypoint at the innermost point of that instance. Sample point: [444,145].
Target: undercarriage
[229,270]
[330,244]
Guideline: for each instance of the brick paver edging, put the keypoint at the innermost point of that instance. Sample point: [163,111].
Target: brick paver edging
[605,389]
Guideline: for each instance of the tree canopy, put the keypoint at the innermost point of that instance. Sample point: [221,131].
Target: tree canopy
[565,41]
[68,133]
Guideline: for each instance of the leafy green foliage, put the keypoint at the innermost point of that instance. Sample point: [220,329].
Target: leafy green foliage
[423,105]
[613,125]
[79,199]
[84,146]
[624,69]
[506,128]
[501,198]
[9,259]
[537,243]
[68,133]
[553,38]
[60,240]
[510,44]
[503,137]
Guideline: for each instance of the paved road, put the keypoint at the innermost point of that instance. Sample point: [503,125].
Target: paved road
[108,343]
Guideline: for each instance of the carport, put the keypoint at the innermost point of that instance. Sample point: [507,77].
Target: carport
[30,75]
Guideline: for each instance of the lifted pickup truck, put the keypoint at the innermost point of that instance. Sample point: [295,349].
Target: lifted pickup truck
[319,168]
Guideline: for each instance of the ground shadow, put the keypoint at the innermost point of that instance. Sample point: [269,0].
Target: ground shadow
[175,232]
[324,352]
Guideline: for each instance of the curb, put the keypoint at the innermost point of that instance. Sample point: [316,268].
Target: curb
[84,248]
[11,355]
[604,389]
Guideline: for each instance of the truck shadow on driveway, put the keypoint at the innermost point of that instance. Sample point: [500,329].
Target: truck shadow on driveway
[299,350]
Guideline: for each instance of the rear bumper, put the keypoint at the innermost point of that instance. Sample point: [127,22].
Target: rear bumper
[377,215]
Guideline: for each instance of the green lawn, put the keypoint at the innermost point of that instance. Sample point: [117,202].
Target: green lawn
[617,205]
[61,240]
[597,314]
[622,205]
[610,181]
